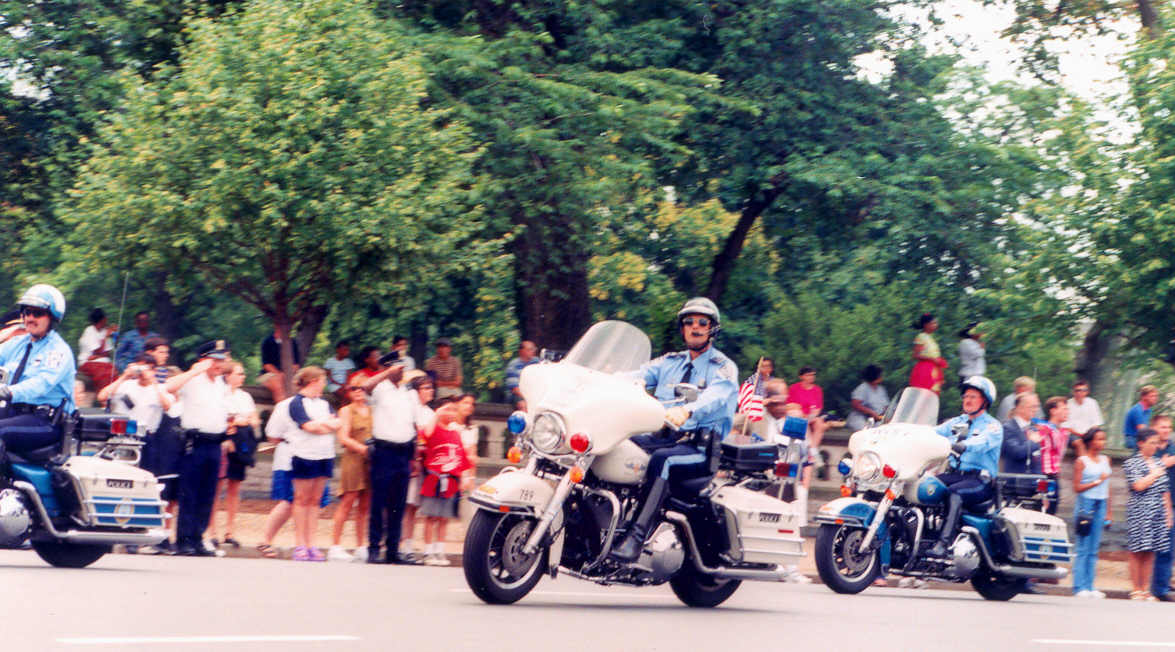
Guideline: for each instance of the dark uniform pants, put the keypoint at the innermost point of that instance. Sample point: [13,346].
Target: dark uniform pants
[198,474]
[969,485]
[390,472]
[26,432]
[671,460]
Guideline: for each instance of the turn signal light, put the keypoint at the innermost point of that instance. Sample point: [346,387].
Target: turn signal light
[118,426]
[890,494]
[888,471]
[846,491]
[514,455]
[580,442]
[782,469]
[576,475]
[1042,486]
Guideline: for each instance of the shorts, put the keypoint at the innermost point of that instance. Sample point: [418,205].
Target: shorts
[234,470]
[283,489]
[438,507]
[303,469]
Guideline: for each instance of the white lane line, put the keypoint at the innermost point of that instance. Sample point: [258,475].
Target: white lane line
[586,594]
[1110,644]
[143,640]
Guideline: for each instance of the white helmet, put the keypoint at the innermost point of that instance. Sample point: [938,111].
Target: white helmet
[47,297]
[701,306]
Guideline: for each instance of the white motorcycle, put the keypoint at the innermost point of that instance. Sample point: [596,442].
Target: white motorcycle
[583,477]
[893,510]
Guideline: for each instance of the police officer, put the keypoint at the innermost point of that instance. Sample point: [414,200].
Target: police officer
[970,481]
[40,371]
[395,415]
[715,375]
[204,397]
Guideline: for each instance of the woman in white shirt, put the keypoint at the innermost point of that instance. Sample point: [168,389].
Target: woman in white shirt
[138,395]
[94,349]
[312,445]
[245,424]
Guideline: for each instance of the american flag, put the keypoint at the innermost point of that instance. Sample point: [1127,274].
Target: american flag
[750,403]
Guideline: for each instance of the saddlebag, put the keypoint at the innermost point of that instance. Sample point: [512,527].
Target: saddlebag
[1026,535]
[761,529]
[114,494]
[748,459]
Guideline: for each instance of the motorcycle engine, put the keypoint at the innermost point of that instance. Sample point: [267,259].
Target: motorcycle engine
[14,518]
[663,554]
[964,558]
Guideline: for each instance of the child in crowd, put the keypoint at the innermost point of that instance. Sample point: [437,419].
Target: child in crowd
[446,471]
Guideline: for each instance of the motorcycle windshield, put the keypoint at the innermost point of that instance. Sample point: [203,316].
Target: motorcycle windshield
[611,347]
[915,405]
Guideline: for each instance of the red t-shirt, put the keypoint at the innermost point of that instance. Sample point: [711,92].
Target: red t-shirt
[444,456]
[807,399]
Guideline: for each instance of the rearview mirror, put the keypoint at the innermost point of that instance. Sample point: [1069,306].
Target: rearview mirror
[687,391]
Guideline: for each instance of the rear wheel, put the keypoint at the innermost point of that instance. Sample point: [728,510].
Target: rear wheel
[698,590]
[842,566]
[69,555]
[997,587]
[496,568]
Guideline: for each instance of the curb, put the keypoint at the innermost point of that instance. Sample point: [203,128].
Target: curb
[283,554]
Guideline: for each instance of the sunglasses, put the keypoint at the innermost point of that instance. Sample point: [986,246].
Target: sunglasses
[353,388]
[33,312]
[695,321]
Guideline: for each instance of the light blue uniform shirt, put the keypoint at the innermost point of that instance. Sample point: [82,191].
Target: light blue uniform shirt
[984,439]
[714,373]
[48,375]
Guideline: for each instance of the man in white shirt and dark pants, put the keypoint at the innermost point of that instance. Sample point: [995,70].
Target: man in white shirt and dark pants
[204,395]
[391,449]
[1084,412]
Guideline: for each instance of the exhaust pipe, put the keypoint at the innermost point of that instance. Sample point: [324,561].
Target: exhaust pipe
[721,572]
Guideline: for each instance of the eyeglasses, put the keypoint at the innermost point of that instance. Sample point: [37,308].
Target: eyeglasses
[352,389]
[698,321]
[29,311]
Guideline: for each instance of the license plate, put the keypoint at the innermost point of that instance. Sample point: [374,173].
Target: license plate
[120,484]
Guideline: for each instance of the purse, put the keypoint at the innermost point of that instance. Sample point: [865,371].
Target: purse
[1084,524]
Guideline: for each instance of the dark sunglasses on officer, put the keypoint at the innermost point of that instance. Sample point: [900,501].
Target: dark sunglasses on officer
[30,311]
[696,321]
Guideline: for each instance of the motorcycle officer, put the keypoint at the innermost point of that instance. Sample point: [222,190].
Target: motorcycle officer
[41,373]
[970,479]
[716,375]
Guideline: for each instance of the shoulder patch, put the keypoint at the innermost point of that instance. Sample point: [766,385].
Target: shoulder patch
[727,370]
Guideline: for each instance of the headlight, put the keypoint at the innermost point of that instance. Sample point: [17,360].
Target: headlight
[548,432]
[868,467]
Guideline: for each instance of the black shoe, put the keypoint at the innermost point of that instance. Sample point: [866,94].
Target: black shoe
[402,560]
[629,549]
[187,551]
[1166,597]
[373,556]
[202,551]
[164,548]
[229,541]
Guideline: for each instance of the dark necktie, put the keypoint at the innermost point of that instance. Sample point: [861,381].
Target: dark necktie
[23,361]
[686,376]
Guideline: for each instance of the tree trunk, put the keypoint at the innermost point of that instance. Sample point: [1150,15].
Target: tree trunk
[724,262]
[1090,362]
[552,278]
[309,324]
[281,326]
[1149,18]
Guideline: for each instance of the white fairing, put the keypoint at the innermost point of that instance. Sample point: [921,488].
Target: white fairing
[116,494]
[909,449]
[624,464]
[604,401]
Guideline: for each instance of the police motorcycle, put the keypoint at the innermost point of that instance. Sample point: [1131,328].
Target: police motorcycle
[582,477]
[893,507]
[71,506]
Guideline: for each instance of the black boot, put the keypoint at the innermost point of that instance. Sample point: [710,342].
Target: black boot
[954,510]
[630,548]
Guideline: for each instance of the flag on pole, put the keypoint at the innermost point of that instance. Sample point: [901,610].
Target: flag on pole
[749,402]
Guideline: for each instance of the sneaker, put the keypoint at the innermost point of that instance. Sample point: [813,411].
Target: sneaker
[431,560]
[1083,594]
[339,553]
[441,559]
[301,554]
[210,546]
[1096,594]
[911,583]
[316,554]
[359,556]
[796,577]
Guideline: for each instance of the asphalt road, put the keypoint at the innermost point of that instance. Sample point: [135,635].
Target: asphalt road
[127,602]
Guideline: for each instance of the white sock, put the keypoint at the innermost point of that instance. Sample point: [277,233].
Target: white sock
[438,548]
[407,545]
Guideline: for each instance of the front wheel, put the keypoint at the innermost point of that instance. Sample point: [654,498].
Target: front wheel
[69,555]
[698,590]
[842,566]
[496,568]
[997,587]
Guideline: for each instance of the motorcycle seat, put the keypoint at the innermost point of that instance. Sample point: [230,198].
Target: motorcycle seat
[34,456]
[690,488]
[981,508]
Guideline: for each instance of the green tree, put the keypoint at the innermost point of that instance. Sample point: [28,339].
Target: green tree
[290,160]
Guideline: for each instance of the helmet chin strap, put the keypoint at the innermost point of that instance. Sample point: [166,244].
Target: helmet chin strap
[976,412]
[699,348]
